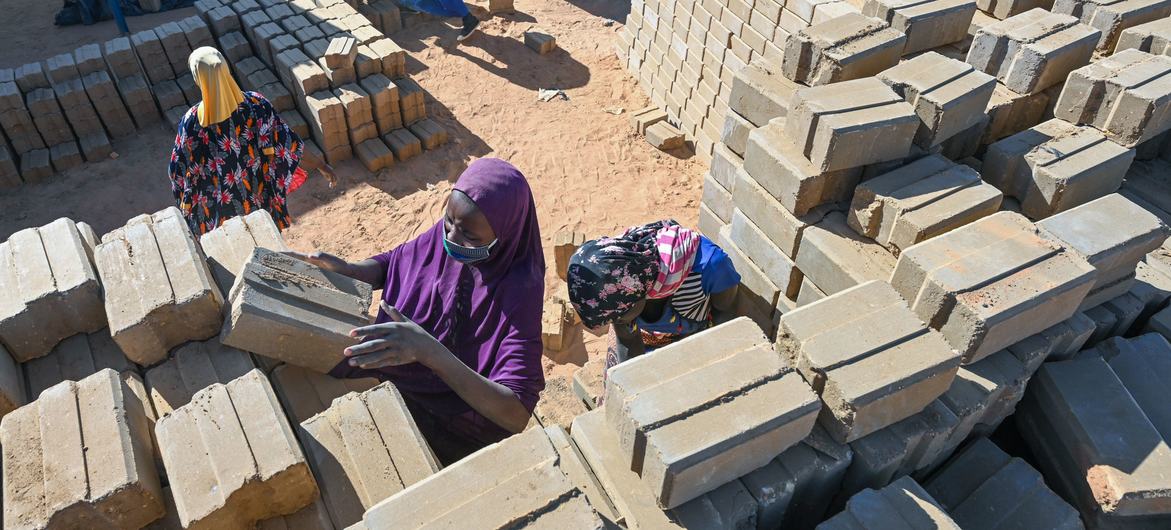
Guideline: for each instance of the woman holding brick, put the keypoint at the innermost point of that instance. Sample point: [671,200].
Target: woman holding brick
[654,284]
[459,329]
[233,153]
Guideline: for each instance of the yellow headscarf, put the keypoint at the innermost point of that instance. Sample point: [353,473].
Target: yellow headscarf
[221,95]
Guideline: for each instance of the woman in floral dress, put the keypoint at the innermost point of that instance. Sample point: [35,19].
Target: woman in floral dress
[233,154]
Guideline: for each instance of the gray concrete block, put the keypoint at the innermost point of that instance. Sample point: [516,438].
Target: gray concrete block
[760,93]
[1126,95]
[949,96]
[848,47]
[1034,50]
[1152,37]
[836,258]
[779,165]
[1112,17]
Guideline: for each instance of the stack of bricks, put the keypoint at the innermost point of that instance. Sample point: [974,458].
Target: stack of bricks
[342,91]
[902,504]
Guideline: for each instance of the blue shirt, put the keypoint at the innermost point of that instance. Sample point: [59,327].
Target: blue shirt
[689,309]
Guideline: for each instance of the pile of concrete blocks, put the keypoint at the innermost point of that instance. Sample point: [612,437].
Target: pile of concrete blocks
[984,487]
[531,480]
[52,290]
[1109,400]
[1034,50]
[283,308]
[79,456]
[902,504]
[231,457]
[159,292]
[869,357]
[1094,232]
[229,246]
[730,370]
[364,449]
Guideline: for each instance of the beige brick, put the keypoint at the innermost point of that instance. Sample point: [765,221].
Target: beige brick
[431,135]
[864,114]
[848,47]
[79,456]
[74,359]
[1151,37]
[869,356]
[902,504]
[229,246]
[284,308]
[1032,51]
[949,96]
[1111,17]
[52,290]
[1127,96]
[779,165]
[1055,166]
[992,283]
[835,258]
[919,201]
[159,292]
[231,457]
[191,368]
[305,393]
[518,479]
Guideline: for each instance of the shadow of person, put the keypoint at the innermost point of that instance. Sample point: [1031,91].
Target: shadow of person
[523,66]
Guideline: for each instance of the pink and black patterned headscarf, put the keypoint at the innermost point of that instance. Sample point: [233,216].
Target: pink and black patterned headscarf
[608,276]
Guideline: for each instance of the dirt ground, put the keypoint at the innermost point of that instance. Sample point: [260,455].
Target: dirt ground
[588,169]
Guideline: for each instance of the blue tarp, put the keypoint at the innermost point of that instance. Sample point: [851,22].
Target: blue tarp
[89,11]
[442,8]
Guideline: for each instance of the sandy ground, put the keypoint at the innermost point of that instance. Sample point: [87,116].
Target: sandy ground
[589,171]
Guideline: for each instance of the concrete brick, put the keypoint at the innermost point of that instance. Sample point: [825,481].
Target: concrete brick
[411,100]
[863,113]
[1112,17]
[539,42]
[304,393]
[646,117]
[902,504]
[120,58]
[852,46]
[47,115]
[949,96]
[794,490]
[771,260]
[1092,232]
[301,73]
[30,77]
[153,57]
[565,243]
[61,68]
[430,134]
[365,448]
[1151,37]
[374,154]
[191,368]
[235,47]
[983,487]
[223,20]
[1010,113]
[1085,400]
[74,359]
[52,290]
[79,456]
[868,380]
[88,59]
[232,458]
[757,295]
[836,258]
[341,52]
[9,174]
[284,308]
[175,46]
[880,457]
[991,283]
[729,506]
[390,56]
[735,132]
[919,201]
[588,384]
[1127,96]
[159,292]
[659,429]
[781,227]
[35,166]
[575,467]
[1055,166]
[1034,50]
[197,32]
[403,144]
[518,479]
[780,166]
[108,104]
[926,24]
[760,93]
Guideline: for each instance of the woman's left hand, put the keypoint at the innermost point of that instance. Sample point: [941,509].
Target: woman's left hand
[393,343]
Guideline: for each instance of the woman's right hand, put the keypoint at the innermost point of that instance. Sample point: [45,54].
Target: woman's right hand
[323,260]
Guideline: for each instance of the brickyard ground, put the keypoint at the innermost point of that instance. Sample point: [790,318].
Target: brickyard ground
[588,169]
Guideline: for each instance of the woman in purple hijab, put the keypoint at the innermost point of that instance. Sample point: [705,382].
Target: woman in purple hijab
[459,329]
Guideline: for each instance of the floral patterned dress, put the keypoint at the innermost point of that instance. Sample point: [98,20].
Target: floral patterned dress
[234,167]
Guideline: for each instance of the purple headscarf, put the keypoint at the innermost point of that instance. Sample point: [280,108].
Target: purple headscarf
[500,333]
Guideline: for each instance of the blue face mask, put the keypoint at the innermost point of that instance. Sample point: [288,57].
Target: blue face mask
[467,255]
